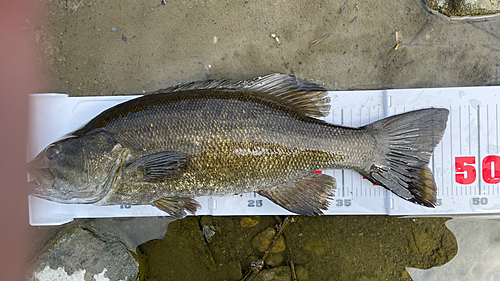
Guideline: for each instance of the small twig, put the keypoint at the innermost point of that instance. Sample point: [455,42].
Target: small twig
[490,47]
[395,47]
[420,31]
[162,3]
[257,267]
[292,266]
[424,45]
[76,8]
[319,40]
[482,28]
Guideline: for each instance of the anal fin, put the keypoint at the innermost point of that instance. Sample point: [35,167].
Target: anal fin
[307,196]
[177,206]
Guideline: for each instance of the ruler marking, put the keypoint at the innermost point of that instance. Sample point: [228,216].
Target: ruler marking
[469,123]
[349,190]
[352,184]
[342,123]
[442,166]
[359,186]
[360,191]
[487,130]
[460,128]
[479,148]
[343,183]
[451,150]
[360,114]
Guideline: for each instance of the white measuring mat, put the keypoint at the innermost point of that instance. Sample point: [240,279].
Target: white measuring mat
[466,163]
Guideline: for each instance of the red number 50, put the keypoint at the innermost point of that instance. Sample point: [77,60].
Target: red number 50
[465,172]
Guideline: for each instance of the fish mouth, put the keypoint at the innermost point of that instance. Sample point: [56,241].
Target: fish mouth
[39,181]
[34,189]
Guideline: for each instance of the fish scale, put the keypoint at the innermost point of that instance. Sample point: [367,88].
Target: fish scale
[226,161]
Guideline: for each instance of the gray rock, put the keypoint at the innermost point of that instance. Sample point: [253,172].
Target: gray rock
[459,8]
[282,273]
[132,231]
[82,253]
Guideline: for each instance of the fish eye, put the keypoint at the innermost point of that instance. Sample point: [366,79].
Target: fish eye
[52,151]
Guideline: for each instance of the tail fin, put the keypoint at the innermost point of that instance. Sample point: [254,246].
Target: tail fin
[404,145]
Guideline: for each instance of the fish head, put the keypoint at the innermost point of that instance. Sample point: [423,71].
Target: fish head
[76,169]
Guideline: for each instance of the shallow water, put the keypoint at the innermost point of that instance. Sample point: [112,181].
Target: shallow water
[125,47]
[185,41]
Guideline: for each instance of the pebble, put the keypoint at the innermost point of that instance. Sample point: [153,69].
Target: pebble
[114,29]
[262,241]
[315,246]
[282,273]
[301,272]
[275,259]
[248,222]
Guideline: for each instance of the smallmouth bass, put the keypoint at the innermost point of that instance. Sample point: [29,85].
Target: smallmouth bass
[219,137]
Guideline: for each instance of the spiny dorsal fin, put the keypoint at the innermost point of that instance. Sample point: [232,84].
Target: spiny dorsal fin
[308,98]
[198,85]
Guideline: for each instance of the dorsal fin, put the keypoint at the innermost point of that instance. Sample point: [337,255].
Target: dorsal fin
[308,98]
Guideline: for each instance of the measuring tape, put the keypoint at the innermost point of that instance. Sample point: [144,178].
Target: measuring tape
[466,163]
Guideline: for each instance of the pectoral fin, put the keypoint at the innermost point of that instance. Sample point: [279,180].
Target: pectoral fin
[156,167]
[176,206]
[307,196]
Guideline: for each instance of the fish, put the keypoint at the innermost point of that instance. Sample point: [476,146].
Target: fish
[222,137]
